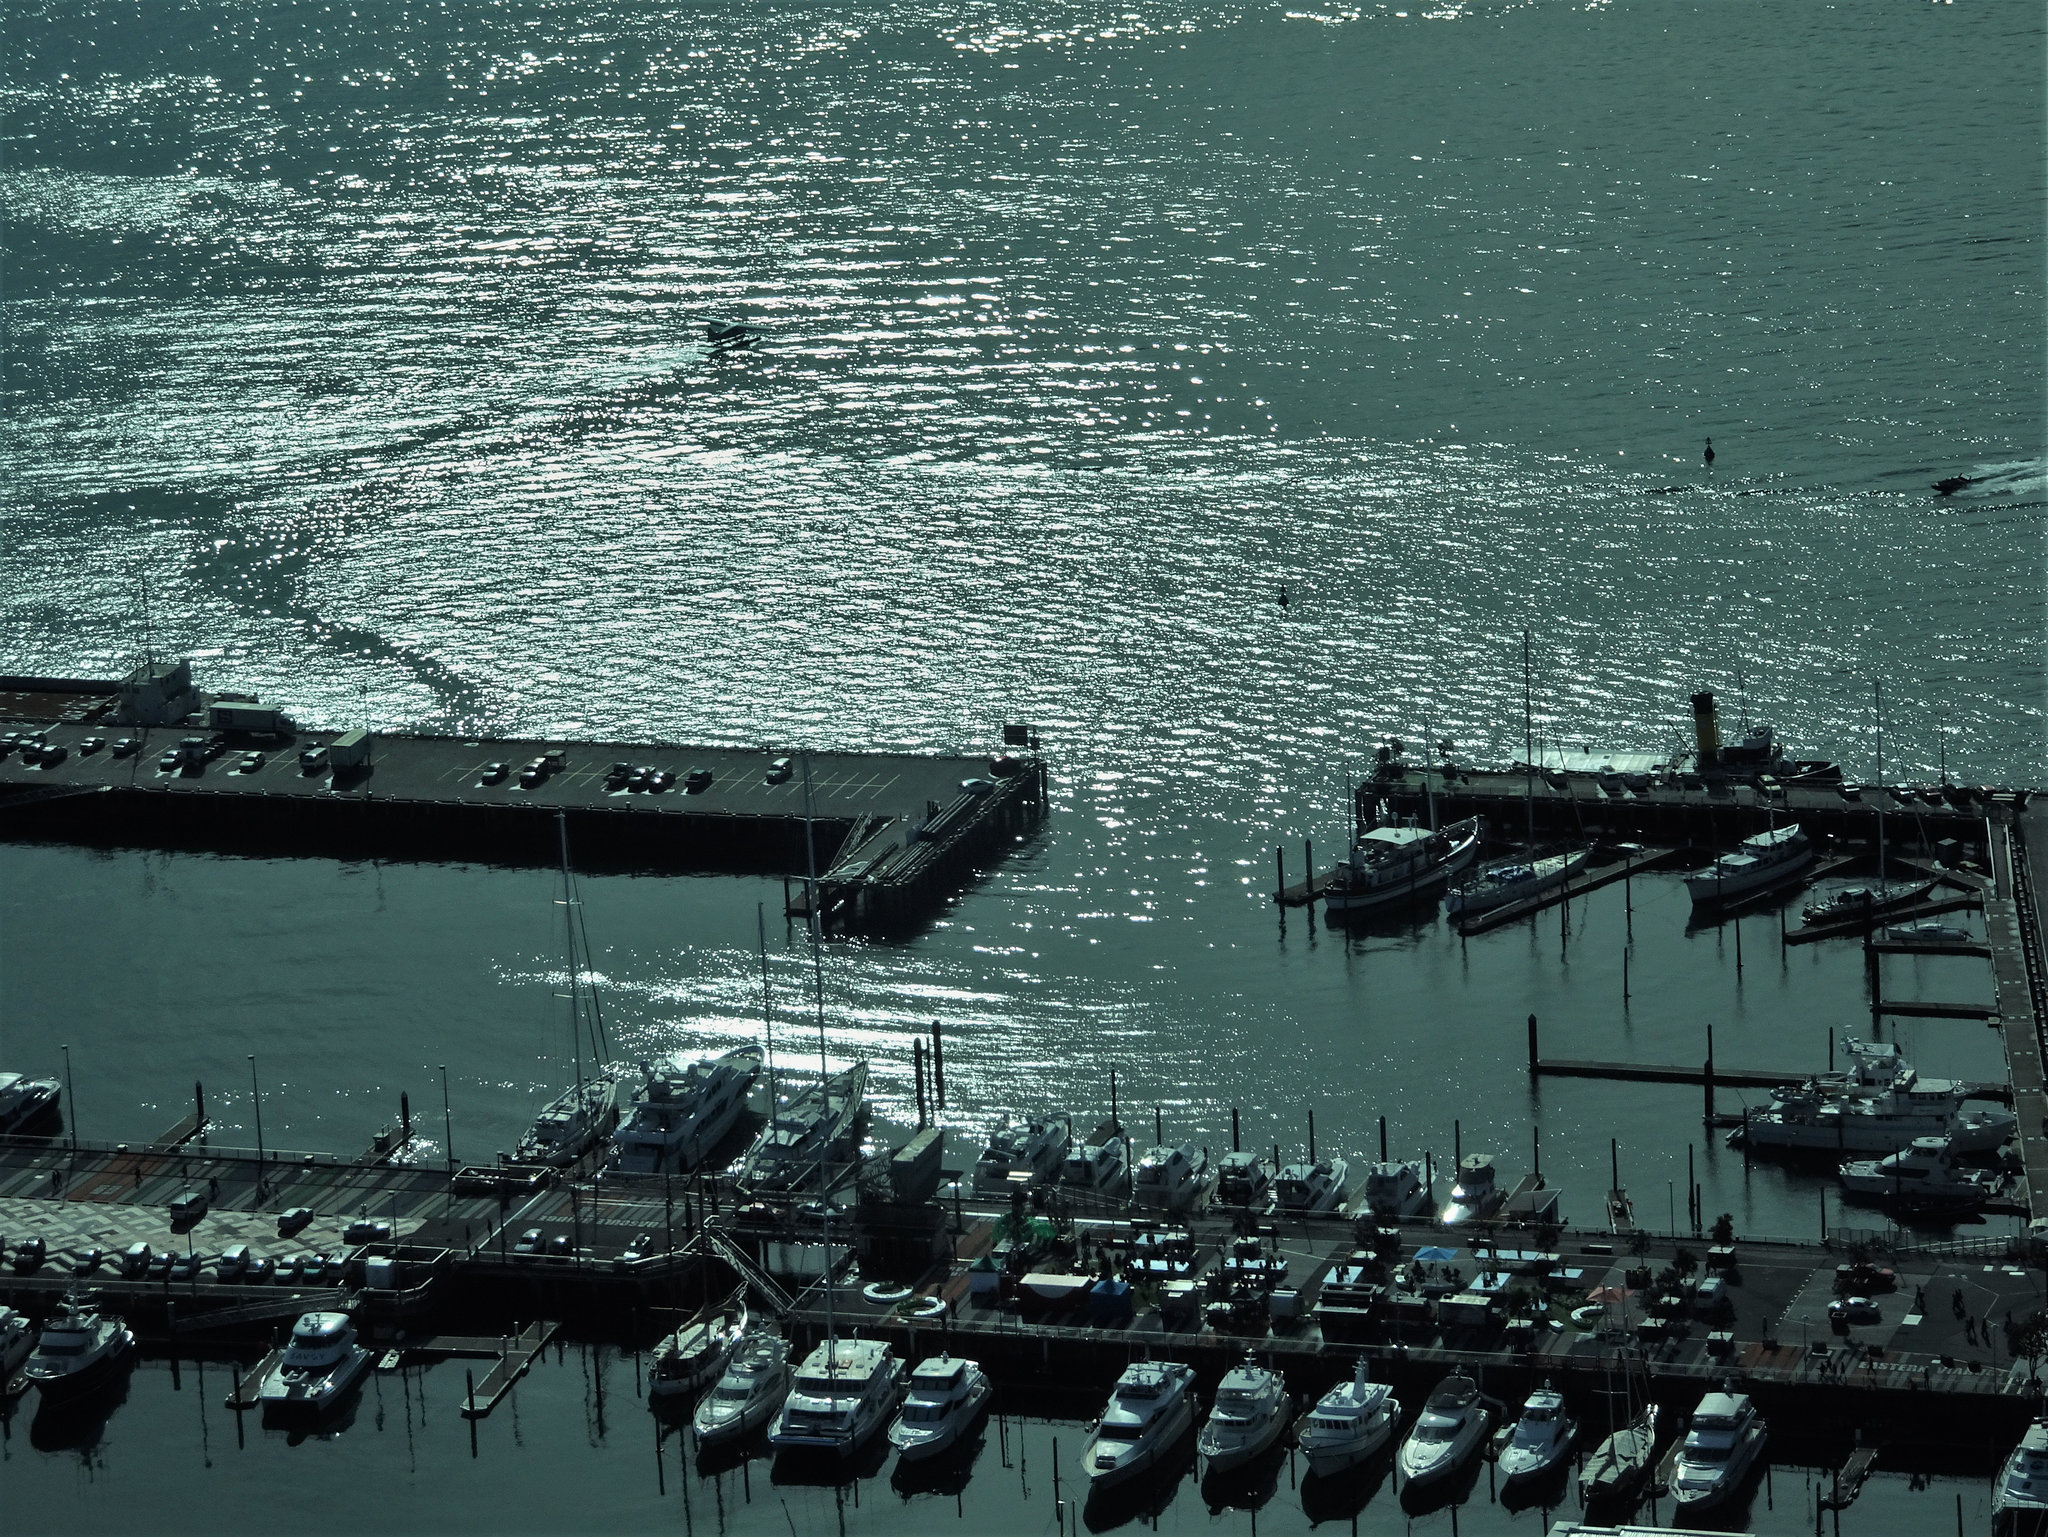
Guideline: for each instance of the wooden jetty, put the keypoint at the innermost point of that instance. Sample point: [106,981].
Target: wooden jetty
[514,1355]
[1850,1478]
[2012,919]
[1908,1008]
[244,1394]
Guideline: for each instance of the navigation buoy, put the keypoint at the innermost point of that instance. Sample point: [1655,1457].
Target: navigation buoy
[1710,450]
[1283,595]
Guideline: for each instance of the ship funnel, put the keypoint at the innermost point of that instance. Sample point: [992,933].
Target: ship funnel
[1706,725]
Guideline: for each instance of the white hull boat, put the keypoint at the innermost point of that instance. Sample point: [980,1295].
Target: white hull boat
[1722,1447]
[25,1101]
[1876,1107]
[748,1394]
[1149,1411]
[1758,863]
[1477,1193]
[1542,1438]
[1500,885]
[80,1348]
[809,1135]
[1394,1191]
[1312,1190]
[1022,1153]
[1391,865]
[1249,1414]
[1621,1464]
[1352,1422]
[2019,1504]
[843,1395]
[1924,1177]
[1097,1168]
[947,1398]
[696,1354]
[17,1343]
[679,1112]
[1170,1178]
[322,1362]
[572,1124]
[1450,1429]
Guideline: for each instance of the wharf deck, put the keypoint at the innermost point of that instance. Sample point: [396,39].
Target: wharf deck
[2012,919]
[515,1356]
[245,1393]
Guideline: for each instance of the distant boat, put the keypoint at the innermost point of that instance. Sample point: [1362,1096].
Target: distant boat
[1759,862]
[582,1116]
[1389,865]
[1922,1176]
[1863,902]
[808,1133]
[1498,885]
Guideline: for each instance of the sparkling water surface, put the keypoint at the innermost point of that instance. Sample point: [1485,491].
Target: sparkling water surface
[359,352]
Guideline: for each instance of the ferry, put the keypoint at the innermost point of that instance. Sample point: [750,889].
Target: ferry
[1766,860]
[1150,1409]
[677,1114]
[320,1364]
[1389,865]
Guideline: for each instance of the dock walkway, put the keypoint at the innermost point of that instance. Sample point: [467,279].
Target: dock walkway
[2012,919]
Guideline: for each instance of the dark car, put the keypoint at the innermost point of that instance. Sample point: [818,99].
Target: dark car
[90,745]
[170,762]
[30,1253]
[560,1243]
[1863,1279]
[126,747]
[88,1260]
[494,773]
[698,781]
[293,1219]
[778,770]
[1854,1310]
[250,762]
[659,780]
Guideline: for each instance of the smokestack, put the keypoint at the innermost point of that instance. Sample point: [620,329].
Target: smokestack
[1706,726]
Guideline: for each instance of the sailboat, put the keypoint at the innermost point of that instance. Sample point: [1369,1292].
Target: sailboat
[582,1116]
[1620,1465]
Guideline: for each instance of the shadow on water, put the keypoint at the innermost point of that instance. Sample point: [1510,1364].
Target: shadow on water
[1245,1488]
[949,1472]
[825,1469]
[1144,1498]
[77,1423]
[1440,1493]
[1341,1496]
[299,1427]
[729,1456]
[1544,1493]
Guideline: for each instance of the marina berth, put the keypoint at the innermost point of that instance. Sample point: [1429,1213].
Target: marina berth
[679,1112]
[810,1135]
[696,1354]
[1352,1422]
[80,1349]
[947,1398]
[1449,1431]
[842,1396]
[322,1362]
[1149,1410]
[1250,1411]
[1312,1189]
[748,1393]
[1760,862]
[1720,1451]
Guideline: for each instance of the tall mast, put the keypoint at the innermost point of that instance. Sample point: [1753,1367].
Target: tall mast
[1877,700]
[767,1005]
[1528,742]
[824,1084]
[569,928]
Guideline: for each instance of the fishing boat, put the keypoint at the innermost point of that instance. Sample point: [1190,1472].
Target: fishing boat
[1395,1190]
[1721,1448]
[810,1134]
[1390,865]
[1922,1176]
[582,1116]
[1022,1153]
[80,1348]
[1449,1430]
[1516,881]
[2019,1503]
[1170,1178]
[1476,1194]
[1541,1440]
[679,1112]
[1876,1106]
[1244,1179]
[1149,1410]
[1312,1189]
[24,1101]
[1350,1423]
[748,1393]
[845,1392]
[697,1353]
[946,1398]
[1768,859]
[1251,1410]
[320,1364]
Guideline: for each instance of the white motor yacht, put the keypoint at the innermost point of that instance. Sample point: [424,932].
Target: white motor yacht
[17,1342]
[1619,1465]
[1876,1106]
[1449,1430]
[1251,1410]
[319,1365]
[1542,1438]
[1389,865]
[573,1123]
[696,1354]
[1096,1168]
[845,1391]
[1923,1176]
[1476,1194]
[80,1348]
[1244,1179]
[1170,1178]
[1395,1190]
[1726,1438]
[1499,885]
[809,1133]
[1351,1422]
[678,1113]
[24,1100]
[1022,1153]
[1312,1189]
[1757,863]
[946,1398]
[2020,1502]
[1150,1409]
[755,1382]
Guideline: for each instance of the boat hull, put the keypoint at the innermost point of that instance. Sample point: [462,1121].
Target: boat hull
[278,1402]
[1218,1457]
[1327,1460]
[77,1384]
[924,1448]
[1150,1450]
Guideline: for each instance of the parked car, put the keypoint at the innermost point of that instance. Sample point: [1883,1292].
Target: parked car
[91,745]
[1864,1279]
[88,1261]
[529,1242]
[292,1220]
[186,1266]
[778,770]
[30,1253]
[976,786]
[189,1206]
[135,1259]
[635,1251]
[126,747]
[367,1230]
[494,773]
[1854,1310]
[232,1264]
[698,781]
[312,760]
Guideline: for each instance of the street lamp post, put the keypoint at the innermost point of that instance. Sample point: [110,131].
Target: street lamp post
[256,1098]
[447,1120]
[71,1101]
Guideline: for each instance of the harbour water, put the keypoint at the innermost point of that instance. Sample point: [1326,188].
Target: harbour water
[360,356]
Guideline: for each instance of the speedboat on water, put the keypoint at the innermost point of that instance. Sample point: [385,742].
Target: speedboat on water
[1449,1430]
[1396,1190]
[572,1124]
[843,1394]
[1923,1176]
[1389,865]
[1170,1178]
[1476,1194]
[25,1101]
[1350,1423]
[1726,1438]
[1499,885]
[1312,1189]
[320,1364]
[696,1354]
[1022,1153]
[751,1389]
[809,1133]
[1877,1106]
[2019,1503]
[1766,860]
[1149,1410]
[1244,1179]
[1250,1412]
[946,1398]
[1542,1438]
[80,1348]
[678,1113]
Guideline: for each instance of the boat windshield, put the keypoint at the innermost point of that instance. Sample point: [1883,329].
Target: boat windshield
[915,1413]
[1710,1453]
[54,1348]
[737,1395]
[1428,1434]
[1119,1432]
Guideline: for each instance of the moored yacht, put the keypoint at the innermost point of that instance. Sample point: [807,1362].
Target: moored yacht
[751,1389]
[319,1365]
[696,1353]
[1244,1179]
[1395,1190]
[1499,885]
[1250,1412]
[1350,1423]
[1022,1153]
[2019,1504]
[1449,1430]
[25,1101]
[572,1124]
[1476,1194]
[809,1133]
[1389,865]
[678,1113]
[1099,1167]
[1170,1178]
[1877,1106]
[1726,1438]
[1766,860]
[80,1348]
[1149,1410]
[1312,1189]
[844,1393]
[1852,903]
[946,1398]
[17,1343]
[1619,1465]
[1924,1176]
[1542,1438]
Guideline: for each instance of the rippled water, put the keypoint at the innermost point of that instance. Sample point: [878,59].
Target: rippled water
[359,350]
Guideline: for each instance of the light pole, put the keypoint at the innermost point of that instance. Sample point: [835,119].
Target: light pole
[256,1099]
[447,1120]
[71,1110]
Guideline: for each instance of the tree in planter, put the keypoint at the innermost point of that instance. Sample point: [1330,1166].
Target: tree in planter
[1723,1231]
[2028,1339]
[1684,1262]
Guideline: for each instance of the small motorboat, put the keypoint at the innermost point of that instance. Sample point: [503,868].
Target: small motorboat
[755,1382]
[946,1397]
[1541,1439]
[320,1364]
[1244,1179]
[1350,1423]
[1451,1427]
[696,1354]
[1251,1410]
[80,1348]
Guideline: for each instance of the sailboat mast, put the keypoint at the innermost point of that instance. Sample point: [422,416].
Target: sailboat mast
[569,930]
[767,1004]
[1877,702]
[1528,742]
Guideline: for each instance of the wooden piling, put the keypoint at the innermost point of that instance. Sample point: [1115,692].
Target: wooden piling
[1532,1049]
[1383,1139]
[1233,1129]
[938,1066]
